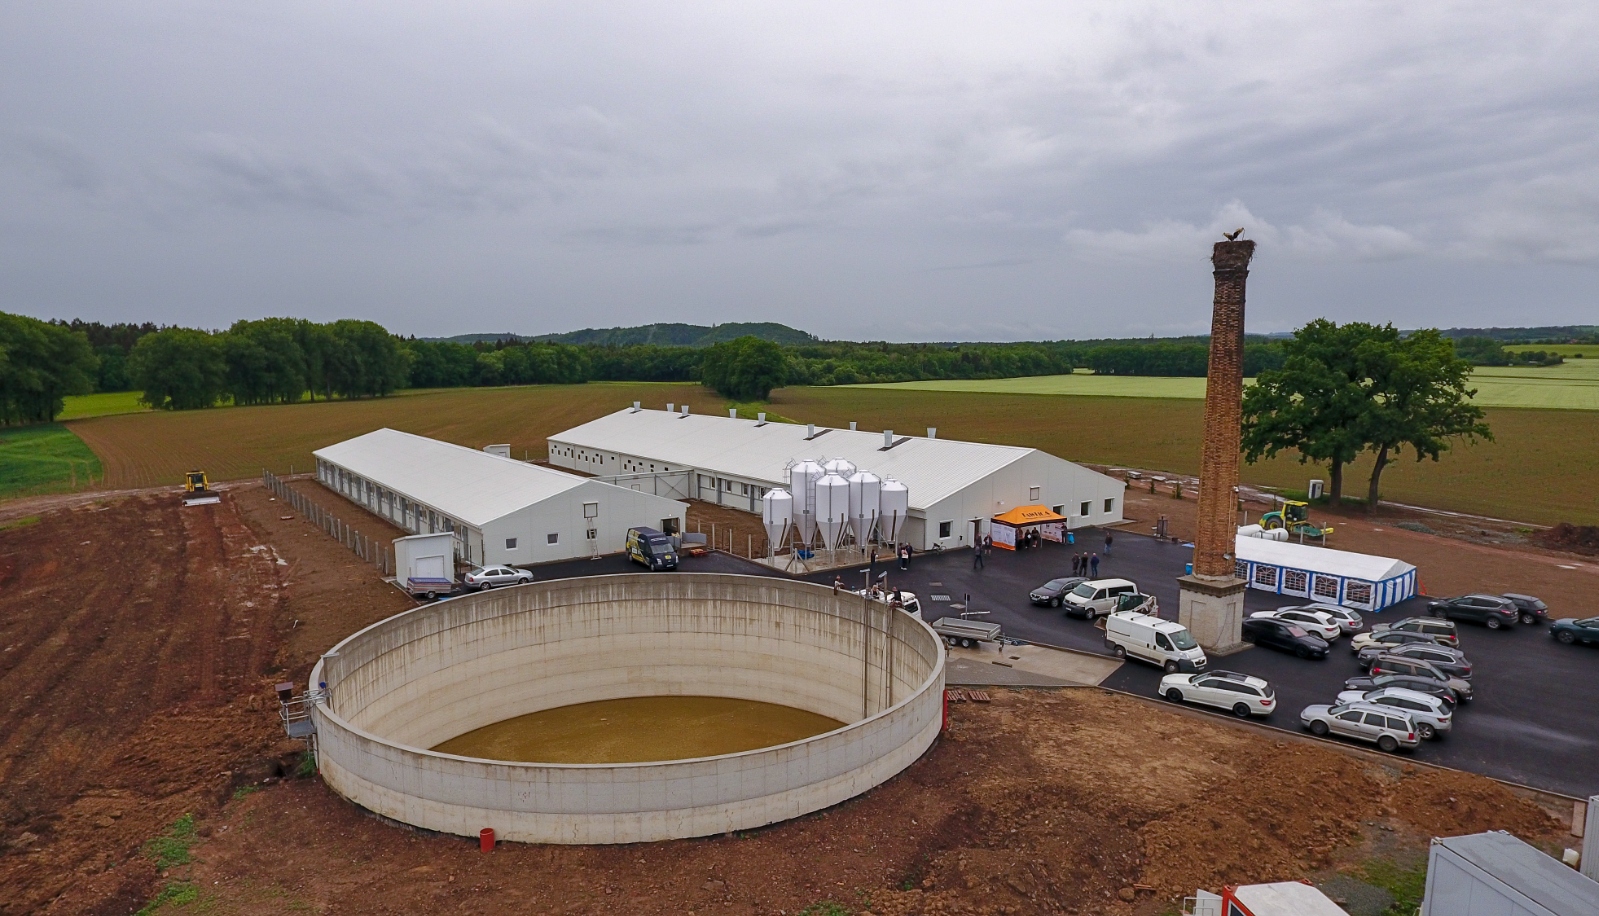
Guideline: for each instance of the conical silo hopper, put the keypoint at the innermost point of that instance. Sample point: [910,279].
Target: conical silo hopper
[777,515]
[893,504]
[863,503]
[832,508]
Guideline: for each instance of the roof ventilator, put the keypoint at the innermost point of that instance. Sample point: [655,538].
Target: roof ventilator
[760,419]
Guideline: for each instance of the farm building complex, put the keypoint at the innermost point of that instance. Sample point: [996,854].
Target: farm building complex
[954,487]
[500,510]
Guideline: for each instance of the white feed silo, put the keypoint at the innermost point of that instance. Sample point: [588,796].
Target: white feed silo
[863,502]
[832,508]
[777,515]
[843,467]
[893,504]
[802,479]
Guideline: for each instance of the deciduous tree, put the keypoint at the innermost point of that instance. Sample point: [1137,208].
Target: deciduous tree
[179,369]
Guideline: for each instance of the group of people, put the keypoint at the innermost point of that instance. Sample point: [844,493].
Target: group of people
[1085,564]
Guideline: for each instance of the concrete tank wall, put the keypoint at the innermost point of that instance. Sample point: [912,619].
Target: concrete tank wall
[427,675]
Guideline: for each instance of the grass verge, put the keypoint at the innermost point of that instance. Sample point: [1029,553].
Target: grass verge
[1406,884]
[46,458]
[102,404]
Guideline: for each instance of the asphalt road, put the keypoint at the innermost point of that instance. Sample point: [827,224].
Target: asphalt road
[1535,718]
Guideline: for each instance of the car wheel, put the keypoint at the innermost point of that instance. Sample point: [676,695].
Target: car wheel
[1425,732]
[1171,667]
[1175,695]
[1302,652]
[1493,623]
[1241,710]
[1121,652]
[1436,612]
[1088,614]
[1319,729]
[1529,619]
[1388,744]
[432,595]
[966,643]
[1055,603]
[1566,636]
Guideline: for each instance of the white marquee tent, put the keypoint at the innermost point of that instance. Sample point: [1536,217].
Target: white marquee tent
[1355,580]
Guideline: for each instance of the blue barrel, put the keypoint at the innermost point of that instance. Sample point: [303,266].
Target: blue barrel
[1188,569]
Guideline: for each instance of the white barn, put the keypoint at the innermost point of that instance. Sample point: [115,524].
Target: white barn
[1356,580]
[955,487]
[501,511]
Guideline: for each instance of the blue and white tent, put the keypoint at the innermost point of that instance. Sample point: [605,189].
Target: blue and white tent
[1354,580]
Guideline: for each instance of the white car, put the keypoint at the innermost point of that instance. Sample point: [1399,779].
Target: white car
[1384,726]
[1349,620]
[1316,623]
[495,576]
[1245,696]
[1431,714]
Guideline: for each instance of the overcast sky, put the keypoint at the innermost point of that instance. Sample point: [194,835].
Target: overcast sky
[916,171]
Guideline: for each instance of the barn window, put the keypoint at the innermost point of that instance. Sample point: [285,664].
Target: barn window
[1083,509]
[552,537]
[945,529]
[1110,505]
[510,543]
[1033,493]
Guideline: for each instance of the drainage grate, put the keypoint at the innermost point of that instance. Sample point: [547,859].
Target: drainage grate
[938,597]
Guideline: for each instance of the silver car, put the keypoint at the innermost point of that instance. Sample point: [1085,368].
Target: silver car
[1348,620]
[1388,728]
[495,576]
[1431,714]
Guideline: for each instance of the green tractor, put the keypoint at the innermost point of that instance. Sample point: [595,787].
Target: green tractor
[1295,516]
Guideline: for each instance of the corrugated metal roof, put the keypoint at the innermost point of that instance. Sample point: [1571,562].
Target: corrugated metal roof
[1541,878]
[463,483]
[1320,559]
[931,469]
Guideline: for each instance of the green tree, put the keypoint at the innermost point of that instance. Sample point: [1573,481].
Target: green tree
[1481,351]
[1316,402]
[745,369]
[364,361]
[265,362]
[40,364]
[1419,401]
[179,369]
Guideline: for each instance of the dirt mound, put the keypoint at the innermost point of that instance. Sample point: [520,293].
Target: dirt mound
[1577,538]
[1449,803]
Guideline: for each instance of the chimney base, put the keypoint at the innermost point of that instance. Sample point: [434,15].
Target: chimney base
[1213,610]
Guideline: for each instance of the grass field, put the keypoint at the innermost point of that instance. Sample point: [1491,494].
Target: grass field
[103,404]
[1540,469]
[1585,351]
[1572,386]
[229,443]
[46,458]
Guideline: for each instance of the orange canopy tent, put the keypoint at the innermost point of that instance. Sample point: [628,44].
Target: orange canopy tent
[1003,527]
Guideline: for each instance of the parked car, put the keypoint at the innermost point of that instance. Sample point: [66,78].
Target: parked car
[1162,642]
[1053,592]
[1289,637]
[1433,715]
[1443,631]
[1489,610]
[1098,597]
[1416,667]
[495,576]
[650,548]
[1389,729]
[1318,623]
[1569,630]
[1418,684]
[1246,696]
[1450,661]
[1349,620]
[1381,639]
[1532,610]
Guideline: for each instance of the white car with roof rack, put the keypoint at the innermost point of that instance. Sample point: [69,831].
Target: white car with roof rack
[1241,694]
[1349,619]
[1432,715]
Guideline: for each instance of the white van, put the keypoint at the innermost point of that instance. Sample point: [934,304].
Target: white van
[1151,639]
[1098,597]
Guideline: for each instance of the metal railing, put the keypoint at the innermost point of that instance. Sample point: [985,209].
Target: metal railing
[368,549]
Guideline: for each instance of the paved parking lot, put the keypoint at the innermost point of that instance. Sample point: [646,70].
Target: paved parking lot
[1535,719]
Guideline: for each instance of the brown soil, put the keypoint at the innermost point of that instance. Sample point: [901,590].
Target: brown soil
[1579,538]
[139,643]
[1461,555]
[726,528]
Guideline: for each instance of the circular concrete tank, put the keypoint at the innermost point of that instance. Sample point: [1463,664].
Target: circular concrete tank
[424,676]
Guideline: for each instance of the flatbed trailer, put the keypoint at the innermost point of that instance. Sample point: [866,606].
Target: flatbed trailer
[428,588]
[958,631]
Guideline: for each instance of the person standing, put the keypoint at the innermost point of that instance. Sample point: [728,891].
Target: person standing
[1108,541]
[1076,564]
[977,555]
[909,552]
[904,556]
[1093,561]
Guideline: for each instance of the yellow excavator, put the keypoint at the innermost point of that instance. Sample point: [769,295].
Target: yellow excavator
[1295,516]
[197,490]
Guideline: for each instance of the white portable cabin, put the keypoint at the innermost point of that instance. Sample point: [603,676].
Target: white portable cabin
[1283,898]
[499,510]
[954,487]
[425,556]
[1357,580]
[1496,874]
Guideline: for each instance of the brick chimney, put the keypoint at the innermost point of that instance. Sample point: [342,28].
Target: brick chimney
[1211,601]
[1224,395]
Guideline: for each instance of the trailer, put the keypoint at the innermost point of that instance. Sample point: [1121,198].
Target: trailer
[957,631]
[1284,898]
[1496,874]
[428,587]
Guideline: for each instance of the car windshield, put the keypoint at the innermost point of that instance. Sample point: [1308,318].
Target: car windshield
[1184,640]
[1084,591]
[660,542]
[1056,583]
[1590,622]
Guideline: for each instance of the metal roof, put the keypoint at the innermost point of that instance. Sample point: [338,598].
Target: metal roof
[1540,878]
[1286,898]
[466,484]
[1320,559]
[932,469]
